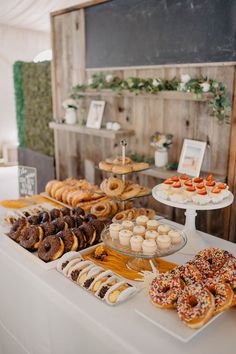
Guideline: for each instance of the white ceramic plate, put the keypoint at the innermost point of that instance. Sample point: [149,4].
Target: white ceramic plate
[168,321]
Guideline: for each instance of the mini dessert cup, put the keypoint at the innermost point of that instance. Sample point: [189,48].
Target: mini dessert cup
[163,229]
[163,242]
[114,230]
[149,246]
[152,225]
[124,237]
[127,225]
[151,235]
[175,237]
[142,220]
[136,243]
[139,230]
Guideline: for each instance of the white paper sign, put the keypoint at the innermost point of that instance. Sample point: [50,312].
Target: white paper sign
[27,180]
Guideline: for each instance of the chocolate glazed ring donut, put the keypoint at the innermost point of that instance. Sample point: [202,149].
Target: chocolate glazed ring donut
[31,237]
[66,211]
[18,228]
[89,232]
[78,211]
[99,226]
[78,221]
[48,228]
[89,217]
[69,239]
[51,248]
[34,219]
[55,213]
[82,243]
[60,225]
[69,220]
[44,216]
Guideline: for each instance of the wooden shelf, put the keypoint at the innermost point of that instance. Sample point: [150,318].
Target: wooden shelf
[162,173]
[103,133]
[162,95]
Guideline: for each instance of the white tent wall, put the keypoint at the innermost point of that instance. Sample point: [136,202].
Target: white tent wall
[15,44]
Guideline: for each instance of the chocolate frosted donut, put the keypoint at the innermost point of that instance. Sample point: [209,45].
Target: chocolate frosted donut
[99,226]
[51,248]
[17,228]
[34,219]
[78,211]
[70,240]
[90,217]
[78,220]
[48,228]
[44,216]
[66,211]
[69,220]
[82,243]
[31,237]
[90,233]
[55,213]
[60,225]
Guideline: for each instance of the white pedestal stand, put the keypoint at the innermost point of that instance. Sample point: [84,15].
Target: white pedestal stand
[195,241]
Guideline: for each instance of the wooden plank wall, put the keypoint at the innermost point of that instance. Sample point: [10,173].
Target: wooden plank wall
[184,119]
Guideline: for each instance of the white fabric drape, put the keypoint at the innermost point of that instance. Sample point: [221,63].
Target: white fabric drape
[33,14]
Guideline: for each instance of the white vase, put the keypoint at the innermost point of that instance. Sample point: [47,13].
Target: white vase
[70,116]
[161,157]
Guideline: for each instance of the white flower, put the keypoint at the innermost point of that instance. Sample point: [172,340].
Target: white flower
[69,103]
[109,78]
[90,81]
[185,78]
[182,86]
[205,86]
[155,83]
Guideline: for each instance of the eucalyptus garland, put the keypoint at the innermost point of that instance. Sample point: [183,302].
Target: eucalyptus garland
[219,104]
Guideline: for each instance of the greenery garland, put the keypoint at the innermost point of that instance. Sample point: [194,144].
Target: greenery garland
[219,104]
[19,97]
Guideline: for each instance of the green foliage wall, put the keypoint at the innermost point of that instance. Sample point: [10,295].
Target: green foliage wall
[34,106]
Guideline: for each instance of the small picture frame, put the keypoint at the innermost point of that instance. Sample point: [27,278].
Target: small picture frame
[95,114]
[191,157]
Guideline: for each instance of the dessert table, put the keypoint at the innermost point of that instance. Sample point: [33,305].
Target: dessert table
[42,312]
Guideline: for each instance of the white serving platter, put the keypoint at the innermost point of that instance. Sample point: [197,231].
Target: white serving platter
[169,322]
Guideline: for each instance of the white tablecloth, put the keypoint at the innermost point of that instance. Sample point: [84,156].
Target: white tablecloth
[41,312]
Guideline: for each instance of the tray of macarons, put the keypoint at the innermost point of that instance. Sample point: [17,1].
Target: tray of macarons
[144,238]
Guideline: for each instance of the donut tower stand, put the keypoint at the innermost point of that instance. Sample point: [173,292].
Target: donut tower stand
[136,261]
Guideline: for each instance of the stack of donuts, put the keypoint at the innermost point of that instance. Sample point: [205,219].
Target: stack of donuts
[198,290]
[116,188]
[57,231]
[117,166]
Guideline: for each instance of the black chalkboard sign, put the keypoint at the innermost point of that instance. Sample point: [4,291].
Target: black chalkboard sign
[155,32]
[27,179]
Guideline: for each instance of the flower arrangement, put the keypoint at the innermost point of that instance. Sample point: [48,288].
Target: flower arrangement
[70,103]
[161,141]
[218,104]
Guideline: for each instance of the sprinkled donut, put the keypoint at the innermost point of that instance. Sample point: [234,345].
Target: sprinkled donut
[195,306]
[31,237]
[165,290]
[51,248]
[188,273]
[222,293]
[227,274]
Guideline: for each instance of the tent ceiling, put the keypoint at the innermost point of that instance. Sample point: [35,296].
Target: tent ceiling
[31,14]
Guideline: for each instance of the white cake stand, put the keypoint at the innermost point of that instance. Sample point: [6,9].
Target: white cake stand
[195,241]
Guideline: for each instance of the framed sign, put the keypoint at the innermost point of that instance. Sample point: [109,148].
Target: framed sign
[191,157]
[27,180]
[95,114]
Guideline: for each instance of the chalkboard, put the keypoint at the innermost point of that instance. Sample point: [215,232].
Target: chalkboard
[154,32]
[27,179]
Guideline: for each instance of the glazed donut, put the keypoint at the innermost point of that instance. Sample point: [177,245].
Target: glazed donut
[140,166]
[90,233]
[119,161]
[143,191]
[18,228]
[44,216]
[49,186]
[82,243]
[78,211]
[31,237]
[56,185]
[66,192]
[69,239]
[131,191]
[66,211]
[195,305]
[165,290]
[49,228]
[79,196]
[60,225]
[51,248]
[105,166]
[150,213]
[120,169]
[59,192]
[101,209]
[114,207]
[114,187]
[122,215]
[55,213]
[222,293]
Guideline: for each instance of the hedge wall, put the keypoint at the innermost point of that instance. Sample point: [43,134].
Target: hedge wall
[34,106]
